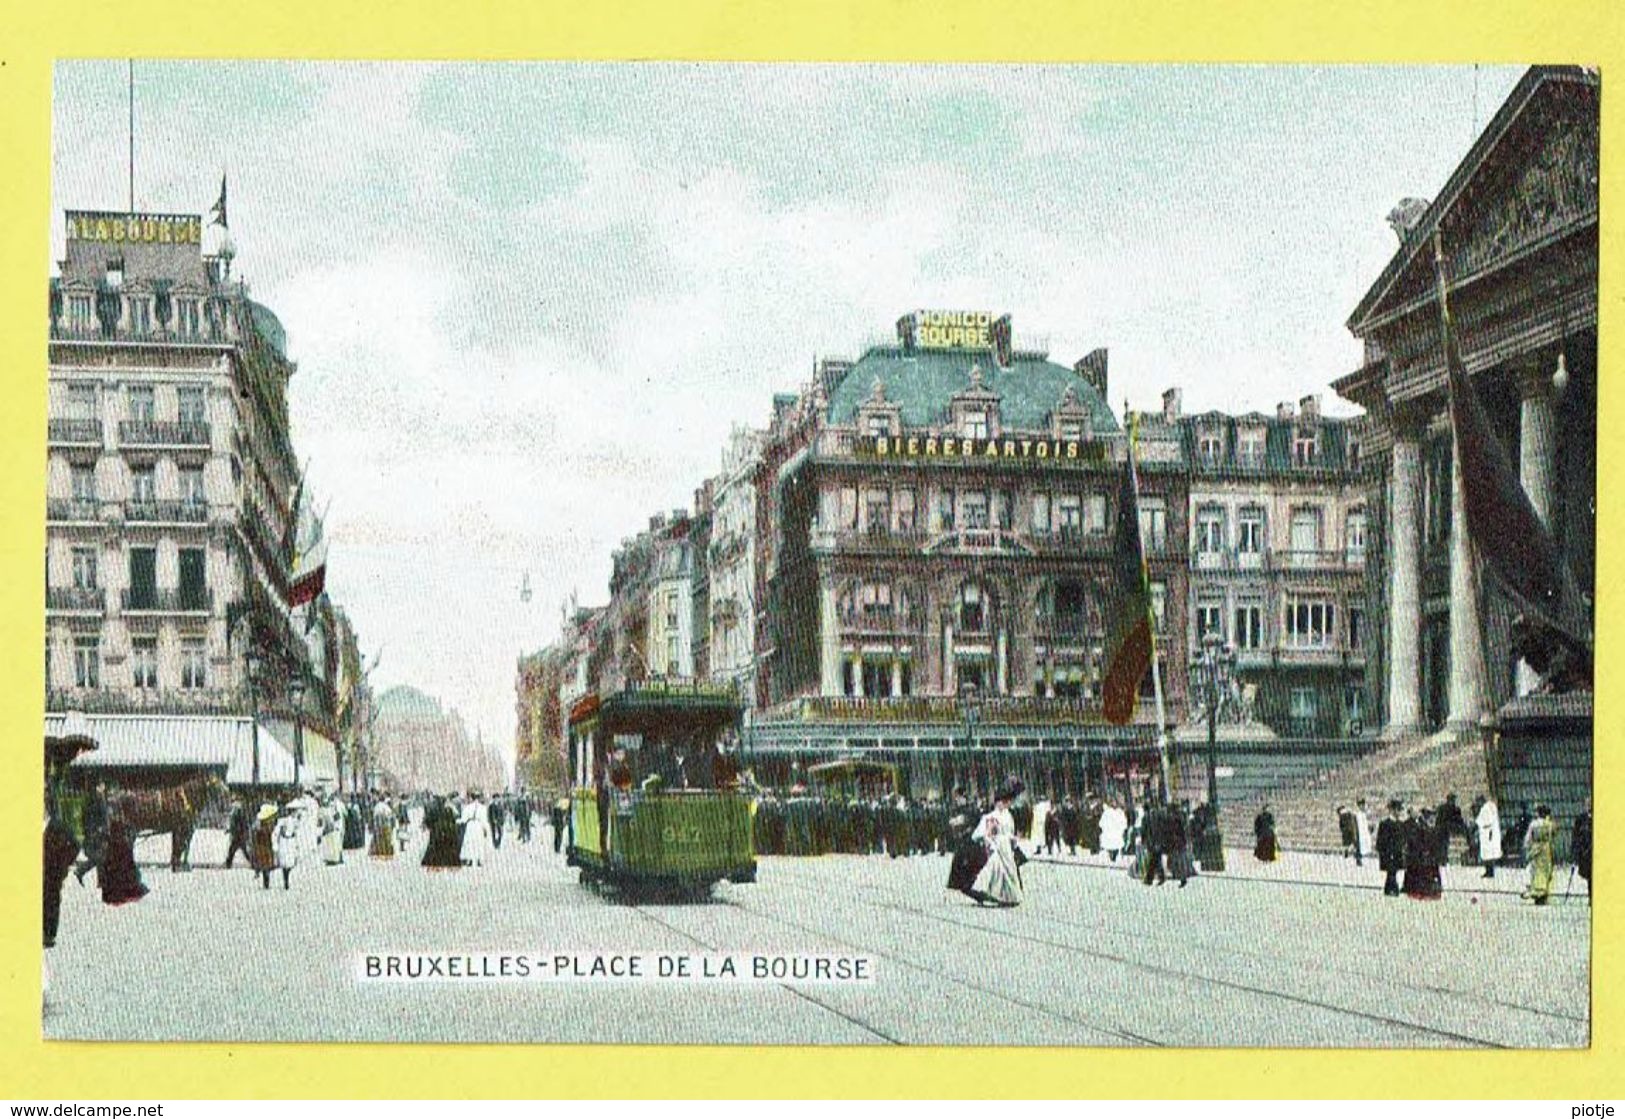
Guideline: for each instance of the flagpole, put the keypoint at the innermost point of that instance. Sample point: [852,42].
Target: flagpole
[1151,614]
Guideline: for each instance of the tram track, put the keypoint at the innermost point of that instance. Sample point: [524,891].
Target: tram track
[897,961]
[1187,976]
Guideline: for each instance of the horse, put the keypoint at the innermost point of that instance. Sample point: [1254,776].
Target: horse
[174,809]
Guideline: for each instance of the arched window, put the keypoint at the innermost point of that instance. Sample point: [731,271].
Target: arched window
[973,609]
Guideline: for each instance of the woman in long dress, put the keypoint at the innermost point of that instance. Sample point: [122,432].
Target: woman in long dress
[1423,879]
[332,833]
[999,881]
[1113,829]
[262,844]
[1264,849]
[476,832]
[1538,846]
[118,876]
[383,830]
[289,841]
[1489,836]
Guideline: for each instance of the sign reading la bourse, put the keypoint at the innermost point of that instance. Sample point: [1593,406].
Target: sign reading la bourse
[158,229]
[952,448]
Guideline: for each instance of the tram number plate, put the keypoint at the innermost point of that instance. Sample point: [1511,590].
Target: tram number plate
[680,833]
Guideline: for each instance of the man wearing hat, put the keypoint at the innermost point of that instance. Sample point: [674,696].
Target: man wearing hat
[1391,848]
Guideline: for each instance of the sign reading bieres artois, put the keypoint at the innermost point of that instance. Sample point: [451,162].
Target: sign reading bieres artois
[952,448]
[158,229]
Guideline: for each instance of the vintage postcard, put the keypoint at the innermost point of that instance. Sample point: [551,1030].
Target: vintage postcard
[820,554]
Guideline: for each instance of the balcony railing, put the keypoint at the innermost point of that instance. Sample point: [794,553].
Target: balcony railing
[163,433]
[948,710]
[1318,560]
[121,698]
[1070,541]
[874,539]
[64,330]
[73,509]
[77,432]
[184,512]
[167,600]
[81,599]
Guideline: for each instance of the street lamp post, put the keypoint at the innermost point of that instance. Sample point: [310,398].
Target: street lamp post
[1214,668]
[973,713]
[255,665]
[296,696]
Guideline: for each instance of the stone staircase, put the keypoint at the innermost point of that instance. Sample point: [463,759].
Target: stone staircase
[1417,770]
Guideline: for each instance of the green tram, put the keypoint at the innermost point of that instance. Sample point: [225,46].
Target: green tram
[656,803]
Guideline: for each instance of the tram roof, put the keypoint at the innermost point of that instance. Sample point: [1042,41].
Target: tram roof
[675,697]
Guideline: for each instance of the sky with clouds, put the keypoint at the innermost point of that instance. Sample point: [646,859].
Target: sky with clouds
[528,302]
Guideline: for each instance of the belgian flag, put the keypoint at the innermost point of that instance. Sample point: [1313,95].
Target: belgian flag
[1129,638]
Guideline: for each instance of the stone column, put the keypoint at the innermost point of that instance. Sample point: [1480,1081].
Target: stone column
[1405,585]
[1002,669]
[950,671]
[829,642]
[897,676]
[1537,462]
[1467,690]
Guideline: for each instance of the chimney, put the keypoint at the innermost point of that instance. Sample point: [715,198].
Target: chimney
[1171,399]
[1283,410]
[1092,368]
[1406,216]
[1310,407]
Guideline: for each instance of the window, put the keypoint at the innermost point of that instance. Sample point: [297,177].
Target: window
[194,591]
[1354,453]
[187,316]
[143,484]
[876,510]
[878,425]
[81,402]
[143,407]
[973,509]
[81,312]
[84,482]
[1309,623]
[1210,530]
[671,655]
[972,609]
[144,663]
[1305,532]
[1354,705]
[945,510]
[143,579]
[1250,449]
[1305,448]
[1041,522]
[849,508]
[1250,531]
[671,609]
[191,404]
[140,314]
[1354,537]
[84,569]
[1097,513]
[874,602]
[975,423]
[192,485]
[1304,708]
[905,511]
[1070,510]
[1249,630]
[87,662]
[1071,429]
[1210,448]
[1004,504]
[1210,620]
[1356,627]
[1159,604]
[876,679]
[1154,523]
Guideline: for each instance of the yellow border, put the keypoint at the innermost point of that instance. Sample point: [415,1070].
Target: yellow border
[33,34]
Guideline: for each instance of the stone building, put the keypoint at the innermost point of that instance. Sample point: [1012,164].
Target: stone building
[731,563]
[1518,224]
[1278,530]
[169,495]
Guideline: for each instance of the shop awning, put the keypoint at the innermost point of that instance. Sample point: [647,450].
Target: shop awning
[220,742]
[319,765]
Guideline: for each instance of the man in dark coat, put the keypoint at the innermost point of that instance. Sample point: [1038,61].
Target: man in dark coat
[1158,842]
[1449,822]
[1391,848]
[497,814]
[237,830]
[1424,838]
[444,849]
[555,818]
[1345,829]
[93,827]
[60,849]
[1071,821]
[1264,849]
[1089,825]
[521,816]
[1580,845]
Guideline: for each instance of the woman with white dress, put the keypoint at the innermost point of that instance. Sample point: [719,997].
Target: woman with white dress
[1113,829]
[476,832]
[999,881]
[288,841]
[1488,822]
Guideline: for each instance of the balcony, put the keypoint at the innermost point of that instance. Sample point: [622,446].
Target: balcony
[947,710]
[877,622]
[1318,560]
[875,540]
[75,433]
[186,512]
[75,600]
[66,330]
[78,510]
[1068,540]
[1229,559]
[167,600]
[163,433]
[125,700]
[1066,630]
